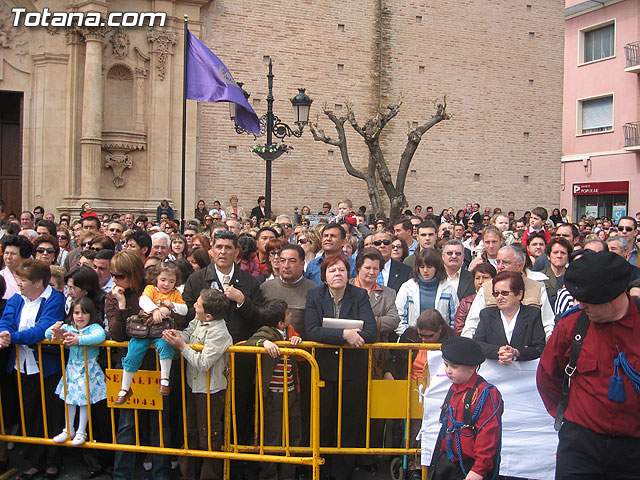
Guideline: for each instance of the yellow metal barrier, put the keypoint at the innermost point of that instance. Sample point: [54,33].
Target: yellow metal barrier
[404,405]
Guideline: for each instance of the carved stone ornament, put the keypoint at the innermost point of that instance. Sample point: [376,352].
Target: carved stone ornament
[118,163]
[94,33]
[162,41]
[120,43]
[12,38]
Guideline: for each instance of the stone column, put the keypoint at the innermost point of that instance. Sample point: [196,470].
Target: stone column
[92,101]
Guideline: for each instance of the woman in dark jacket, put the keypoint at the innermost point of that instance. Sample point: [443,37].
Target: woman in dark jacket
[336,298]
[127,271]
[510,331]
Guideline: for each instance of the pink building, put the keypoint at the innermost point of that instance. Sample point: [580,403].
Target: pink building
[600,173]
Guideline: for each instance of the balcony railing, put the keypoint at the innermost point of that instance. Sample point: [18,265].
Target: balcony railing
[632,54]
[631,135]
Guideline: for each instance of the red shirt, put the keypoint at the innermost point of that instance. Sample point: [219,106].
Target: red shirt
[588,403]
[484,446]
[530,231]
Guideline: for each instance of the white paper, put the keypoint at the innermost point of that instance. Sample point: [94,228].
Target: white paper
[529,441]
[342,323]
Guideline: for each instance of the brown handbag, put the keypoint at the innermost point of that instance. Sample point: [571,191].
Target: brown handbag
[137,326]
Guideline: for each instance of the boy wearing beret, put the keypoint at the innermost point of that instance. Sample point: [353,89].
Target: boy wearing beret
[468,445]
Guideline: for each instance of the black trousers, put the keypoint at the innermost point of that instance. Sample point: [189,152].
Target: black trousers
[444,469]
[354,408]
[586,455]
[39,455]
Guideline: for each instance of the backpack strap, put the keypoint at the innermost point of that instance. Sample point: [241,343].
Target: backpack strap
[467,416]
[445,405]
[579,332]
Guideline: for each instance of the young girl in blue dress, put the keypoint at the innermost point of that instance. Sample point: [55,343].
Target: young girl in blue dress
[84,329]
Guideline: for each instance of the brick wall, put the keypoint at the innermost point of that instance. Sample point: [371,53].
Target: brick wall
[499,63]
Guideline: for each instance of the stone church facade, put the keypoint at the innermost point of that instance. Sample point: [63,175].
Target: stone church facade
[95,114]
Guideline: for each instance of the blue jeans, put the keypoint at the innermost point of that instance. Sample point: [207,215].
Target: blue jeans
[124,462]
[138,348]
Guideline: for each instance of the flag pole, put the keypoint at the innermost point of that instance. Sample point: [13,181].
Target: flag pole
[184,119]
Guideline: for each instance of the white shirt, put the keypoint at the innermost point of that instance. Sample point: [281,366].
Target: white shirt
[108,285]
[454,281]
[386,270]
[222,275]
[27,321]
[509,327]
[12,285]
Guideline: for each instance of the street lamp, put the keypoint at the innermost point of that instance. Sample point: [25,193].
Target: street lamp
[272,125]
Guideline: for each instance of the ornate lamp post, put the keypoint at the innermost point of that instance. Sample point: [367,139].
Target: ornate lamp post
[272,125]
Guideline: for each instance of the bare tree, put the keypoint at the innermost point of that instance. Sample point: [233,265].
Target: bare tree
[377,167]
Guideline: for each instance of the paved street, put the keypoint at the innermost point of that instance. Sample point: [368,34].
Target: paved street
[74,467]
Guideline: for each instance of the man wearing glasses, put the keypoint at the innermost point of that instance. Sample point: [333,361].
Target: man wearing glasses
[628,227]
[460,279]
[287,226]
[189,232]
[115,229]
[393,273]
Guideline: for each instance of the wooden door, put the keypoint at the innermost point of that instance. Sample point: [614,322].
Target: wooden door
[11,151]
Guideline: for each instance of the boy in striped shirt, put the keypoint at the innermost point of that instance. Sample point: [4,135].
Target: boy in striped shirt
[276,376]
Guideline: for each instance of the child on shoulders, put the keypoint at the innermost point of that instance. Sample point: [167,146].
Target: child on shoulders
[160,299]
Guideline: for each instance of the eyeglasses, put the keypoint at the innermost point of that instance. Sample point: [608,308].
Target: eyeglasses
[457,254]
[427,336]
[303,241]
[85,244]
[189,235]
[63,237]
[286,225]
[118,276]
[625,229]
[503,262]
[377,243]
[396,247]
[273,253]
[43,250]
[503,293]
[95,249]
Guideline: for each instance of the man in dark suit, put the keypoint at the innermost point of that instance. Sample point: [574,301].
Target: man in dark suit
[393,273]
[243,318]
[259,210]
[452,256]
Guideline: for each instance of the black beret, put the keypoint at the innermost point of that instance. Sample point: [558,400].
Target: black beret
[462,351]
[597,277]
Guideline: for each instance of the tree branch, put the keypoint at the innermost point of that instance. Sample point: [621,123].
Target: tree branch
[341,143]
[413,140]
[351,116]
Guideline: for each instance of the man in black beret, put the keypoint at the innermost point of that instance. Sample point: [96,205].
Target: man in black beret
[598,347]
[477,433]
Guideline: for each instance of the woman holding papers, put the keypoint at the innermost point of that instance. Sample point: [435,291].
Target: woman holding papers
[337,299]
[510,331]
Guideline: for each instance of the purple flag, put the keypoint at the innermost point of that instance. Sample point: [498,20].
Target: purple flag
[208,80]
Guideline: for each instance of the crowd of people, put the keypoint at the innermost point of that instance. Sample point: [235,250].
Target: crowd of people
[225,278]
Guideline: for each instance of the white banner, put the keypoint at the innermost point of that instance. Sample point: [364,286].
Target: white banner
[529,441]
